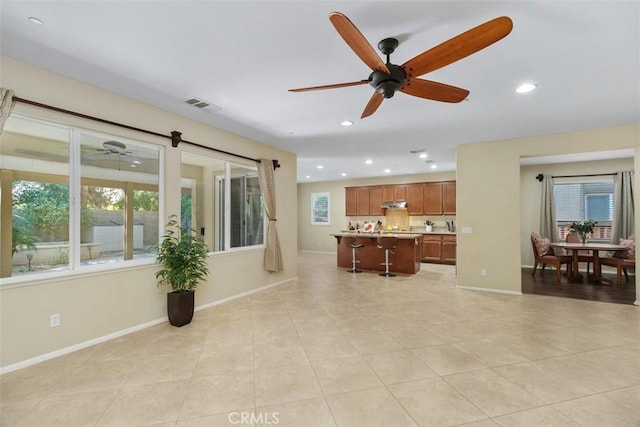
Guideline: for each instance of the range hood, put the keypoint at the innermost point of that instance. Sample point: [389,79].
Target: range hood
[396,204]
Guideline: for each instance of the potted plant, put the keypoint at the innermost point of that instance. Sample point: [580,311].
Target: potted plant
[183,256]
[583,228]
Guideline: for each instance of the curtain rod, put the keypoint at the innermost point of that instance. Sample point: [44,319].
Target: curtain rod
[540,176]
[175,137]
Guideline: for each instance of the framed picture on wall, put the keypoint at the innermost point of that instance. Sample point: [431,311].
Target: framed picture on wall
[320,207]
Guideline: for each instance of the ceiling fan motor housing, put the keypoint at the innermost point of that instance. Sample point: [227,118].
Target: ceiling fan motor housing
[388,84]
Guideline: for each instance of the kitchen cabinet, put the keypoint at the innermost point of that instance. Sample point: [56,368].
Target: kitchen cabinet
[431,248]
[357,201]
[439,248]
[351,201]
[432,198]
[399,192]
[449,198]
[387,193]
[423,198]
[439,198]
[363,201]
[449,244]
[415,197]
[375,200]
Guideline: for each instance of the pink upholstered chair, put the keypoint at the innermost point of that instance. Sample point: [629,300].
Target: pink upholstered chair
[543,254]
[622,260]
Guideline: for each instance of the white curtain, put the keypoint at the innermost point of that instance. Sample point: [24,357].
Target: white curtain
[548,226]
[272,253]
[623,210]
[6,105]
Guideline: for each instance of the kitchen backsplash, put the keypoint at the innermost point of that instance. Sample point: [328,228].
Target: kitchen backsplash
[415,222]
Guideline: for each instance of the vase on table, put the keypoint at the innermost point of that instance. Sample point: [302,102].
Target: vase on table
[583,238]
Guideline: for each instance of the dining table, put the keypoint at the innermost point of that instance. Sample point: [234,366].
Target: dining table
[595,249]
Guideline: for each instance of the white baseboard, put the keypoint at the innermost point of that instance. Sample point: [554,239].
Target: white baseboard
[497,291]
[57,353]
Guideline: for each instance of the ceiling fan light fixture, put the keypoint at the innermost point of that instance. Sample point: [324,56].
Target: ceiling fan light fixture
[526,87]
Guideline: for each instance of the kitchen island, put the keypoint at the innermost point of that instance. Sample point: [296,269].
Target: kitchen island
[405,259]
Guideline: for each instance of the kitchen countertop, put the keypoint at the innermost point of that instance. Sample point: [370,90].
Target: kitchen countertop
[453,233]
[398,234]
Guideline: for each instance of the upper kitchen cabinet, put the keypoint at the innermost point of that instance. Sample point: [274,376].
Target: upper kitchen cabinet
[399,192]
[387,193]
[351,201]
[449,198]
[440,198]
[357,201]
[415,197]
[432,198]
[363,201]
[375,200]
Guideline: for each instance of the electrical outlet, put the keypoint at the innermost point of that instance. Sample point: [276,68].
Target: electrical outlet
[54,320]
[483,272]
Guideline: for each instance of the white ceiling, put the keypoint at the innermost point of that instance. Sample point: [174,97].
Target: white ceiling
[243,56]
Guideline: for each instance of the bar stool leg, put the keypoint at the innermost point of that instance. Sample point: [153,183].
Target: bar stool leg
[386,265]
[354,262]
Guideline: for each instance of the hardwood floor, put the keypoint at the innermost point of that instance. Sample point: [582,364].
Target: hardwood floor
[546,285]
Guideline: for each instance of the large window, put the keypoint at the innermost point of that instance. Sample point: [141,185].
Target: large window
[581,199]
[224,201]
[77,198]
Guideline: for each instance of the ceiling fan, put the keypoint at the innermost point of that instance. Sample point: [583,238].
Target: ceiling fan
[388,78]
[117,150]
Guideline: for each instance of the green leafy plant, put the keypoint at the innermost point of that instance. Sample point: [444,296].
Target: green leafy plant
[21,236]
[583,227]
[183,256]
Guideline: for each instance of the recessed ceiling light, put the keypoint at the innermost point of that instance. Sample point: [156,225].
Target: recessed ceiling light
[343,174]
[320,166]
[308,177]
[137,162]
[36,21]
[526,87]
[368,161]
[347,123]
[434,166]
[423,155]
[387,171]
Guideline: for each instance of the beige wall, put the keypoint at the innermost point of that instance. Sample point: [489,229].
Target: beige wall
[317,238]
[490,194]
[94,305]
[531,193]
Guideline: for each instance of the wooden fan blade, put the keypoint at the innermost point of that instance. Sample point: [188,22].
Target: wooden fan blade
[459,47]
[357,42]
[434,90]
[372,105]
[333,86]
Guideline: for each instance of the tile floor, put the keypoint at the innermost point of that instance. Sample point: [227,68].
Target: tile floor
[341,349]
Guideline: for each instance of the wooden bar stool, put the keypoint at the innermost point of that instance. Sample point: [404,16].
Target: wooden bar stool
[354,244]
[387,243]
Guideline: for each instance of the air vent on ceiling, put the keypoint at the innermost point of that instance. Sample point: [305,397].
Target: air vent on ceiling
[202,105]
[416,151]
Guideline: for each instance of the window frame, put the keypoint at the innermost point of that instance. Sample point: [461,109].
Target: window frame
[75,182]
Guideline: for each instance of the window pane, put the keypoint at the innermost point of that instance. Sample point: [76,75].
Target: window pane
[34,169]
[226,201]
[102,225]
[581,201]
[115,173]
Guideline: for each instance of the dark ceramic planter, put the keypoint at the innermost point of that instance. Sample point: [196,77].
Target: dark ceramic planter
[180,307]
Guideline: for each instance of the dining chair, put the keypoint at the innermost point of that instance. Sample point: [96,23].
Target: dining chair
[583,256]
[622,260]
[543,254]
